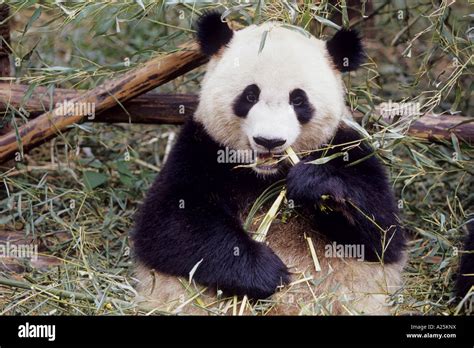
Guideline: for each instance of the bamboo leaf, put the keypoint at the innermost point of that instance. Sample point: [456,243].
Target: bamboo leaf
[327,22]
[94,179]
[324,160]
[32,19]
[262,42]
[357,127]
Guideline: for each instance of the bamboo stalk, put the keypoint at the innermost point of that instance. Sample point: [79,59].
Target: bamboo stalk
[314,256]
[271,214]
[153,73]
[262,230]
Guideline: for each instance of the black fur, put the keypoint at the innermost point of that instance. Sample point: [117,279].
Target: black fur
[269,144]
[172,239]
[349,191]
[346,50]
[212,33]
[242,105]
[303,108]
[465,279]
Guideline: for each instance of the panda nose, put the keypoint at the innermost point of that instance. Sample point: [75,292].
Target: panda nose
[269,143]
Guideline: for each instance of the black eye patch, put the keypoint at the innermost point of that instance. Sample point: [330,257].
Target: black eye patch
[303,108]
[246,100]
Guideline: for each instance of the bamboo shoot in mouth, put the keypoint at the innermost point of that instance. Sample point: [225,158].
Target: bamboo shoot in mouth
[267,160]
[262,230]
[292,156]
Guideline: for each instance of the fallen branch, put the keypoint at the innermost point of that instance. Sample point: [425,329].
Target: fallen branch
[150,108]
[151,74]
[154,108]
[435,128]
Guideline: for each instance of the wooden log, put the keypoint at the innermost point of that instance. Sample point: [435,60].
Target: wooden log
[436,128]
[12,94]
[154,108]
[151,74]
[151,108]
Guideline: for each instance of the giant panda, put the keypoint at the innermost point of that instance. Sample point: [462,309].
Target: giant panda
[268,87]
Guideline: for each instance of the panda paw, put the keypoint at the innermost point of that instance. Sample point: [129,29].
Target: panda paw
[260,276]
[310,184]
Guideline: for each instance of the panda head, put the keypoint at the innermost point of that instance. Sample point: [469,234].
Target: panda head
[268,87]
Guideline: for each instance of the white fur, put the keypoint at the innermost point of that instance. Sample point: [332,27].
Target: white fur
[271,120]
[288,60]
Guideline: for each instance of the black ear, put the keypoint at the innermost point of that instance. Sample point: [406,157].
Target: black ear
[346,50]
[212,33]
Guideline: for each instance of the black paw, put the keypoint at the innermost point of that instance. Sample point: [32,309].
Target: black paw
[257,275]
[308,183]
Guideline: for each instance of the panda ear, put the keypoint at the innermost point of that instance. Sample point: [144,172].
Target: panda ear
[212,33]
[346,50]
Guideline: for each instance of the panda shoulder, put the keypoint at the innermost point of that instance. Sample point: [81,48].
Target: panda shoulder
[345,134]
[348,138]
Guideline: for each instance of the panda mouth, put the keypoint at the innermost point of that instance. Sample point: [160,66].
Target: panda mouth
[267,162]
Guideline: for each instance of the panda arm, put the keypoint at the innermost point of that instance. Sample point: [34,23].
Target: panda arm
[349,198]
[187,223]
